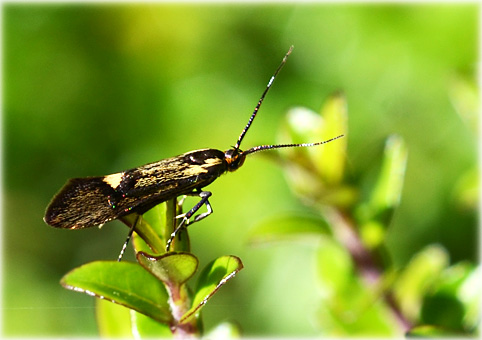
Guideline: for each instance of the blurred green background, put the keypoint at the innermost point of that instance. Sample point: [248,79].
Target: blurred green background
[95,89]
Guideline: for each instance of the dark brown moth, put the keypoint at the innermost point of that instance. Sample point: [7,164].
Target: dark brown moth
[91,201]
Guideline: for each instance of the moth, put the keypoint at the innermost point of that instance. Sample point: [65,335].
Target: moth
[92,201]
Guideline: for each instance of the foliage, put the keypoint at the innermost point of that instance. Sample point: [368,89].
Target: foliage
[93,89]
[156,286]
[361,292]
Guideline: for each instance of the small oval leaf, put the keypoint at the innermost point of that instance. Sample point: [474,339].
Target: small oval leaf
[125,283]
[390,182]
[214,275]
[170,268]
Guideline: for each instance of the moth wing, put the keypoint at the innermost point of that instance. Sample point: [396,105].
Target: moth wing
[81,203]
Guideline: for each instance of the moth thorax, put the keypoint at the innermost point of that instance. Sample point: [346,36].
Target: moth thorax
[235,158]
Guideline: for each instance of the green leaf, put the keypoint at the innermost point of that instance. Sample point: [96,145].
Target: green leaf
[356,310]
[334,268]
[377,213]
[316,173]
[116,321]
[466,191]
[388,189]
[155,229]
[113,320]
[470,294]
[182,242]
[174,269]
[453,302]
[444,310]
[125,283]
[302,125]
[214,275]
[289,227]
[418,277]
[170,268]
[429,331]
[145,327]
[147,233]
[349,307]
[331,162]
[464,95]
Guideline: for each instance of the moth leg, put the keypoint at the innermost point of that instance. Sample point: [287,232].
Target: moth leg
[187,216]
[204,201]
[181,201]
[129,235]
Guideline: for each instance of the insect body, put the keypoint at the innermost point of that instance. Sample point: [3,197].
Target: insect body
[90,201]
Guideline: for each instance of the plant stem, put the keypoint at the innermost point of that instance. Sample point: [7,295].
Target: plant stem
[345,232]
[179,302]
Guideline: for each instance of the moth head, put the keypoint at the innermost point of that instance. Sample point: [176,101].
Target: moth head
[235,158]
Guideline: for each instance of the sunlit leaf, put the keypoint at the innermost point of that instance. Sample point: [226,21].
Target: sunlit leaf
[145,327]
[385,197]
[155,228]
[315,173]
[429,331]
[388,189]
[145,231]
[214,275]
[348,307]
[334,268]
[420,275]
[331,163]
[372,233]
[459,288]
[470,295]
[141,245]
[157,218]
[171,268]
[466,192]
[356,311]
[125,283]
[304,125]
[113,320]
[464,95]
[116,321]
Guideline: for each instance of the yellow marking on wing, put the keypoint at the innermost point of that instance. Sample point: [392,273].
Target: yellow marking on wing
[114,180]
[194,170]
[212,161]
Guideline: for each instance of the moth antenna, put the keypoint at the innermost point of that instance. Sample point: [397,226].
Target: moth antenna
[241,136]
[268,147]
